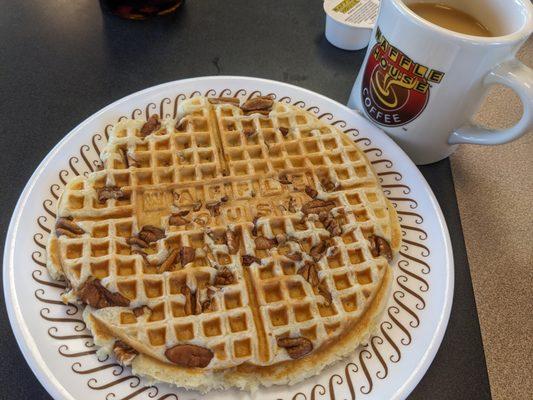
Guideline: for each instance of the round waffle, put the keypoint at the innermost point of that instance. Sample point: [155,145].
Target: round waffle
[248,242]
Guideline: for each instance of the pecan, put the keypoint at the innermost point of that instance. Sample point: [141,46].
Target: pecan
[138,311]
[191,301]
[296,347]
[330,223]
[263,243]
[297,256]
[129,160]
[292,205]
[380,247]
[150,233]
[219,237]
[254,229]
[257,104]
[135,241]
[94,294]
[281,238]
[311,192]
[171,260]
[224,277]
[189,355]
[284,131]
[187,255]
[224,100]
[328,185]
[124,353]
[232,240]
[324,291]
[316,206]
[109,192]
[224,199]
[182,124]
[177,220]
[208,305]
[309,272]
[249,132]
[66,226]
[151,125]
[248,260]
[318,250]
[142,254]
[283,178]
[214,207]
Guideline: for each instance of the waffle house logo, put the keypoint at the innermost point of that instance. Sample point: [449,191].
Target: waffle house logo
[395,89]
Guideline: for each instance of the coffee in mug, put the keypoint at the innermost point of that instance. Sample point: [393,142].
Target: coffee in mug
[423,79]
[450,18]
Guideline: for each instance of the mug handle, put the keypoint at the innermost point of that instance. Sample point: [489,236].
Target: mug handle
[518,77]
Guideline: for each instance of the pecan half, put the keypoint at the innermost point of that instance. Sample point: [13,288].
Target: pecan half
[109,192]
[170,262]
[296,347]
[124,353]
[248,260]
[181,125]
[328,185]
[324,291]
[380,247]
[283,178]
[316,206]
[330,223]
[219,237]
[187,255]
[281,238]
[66,226]
[94,294]
[318,250]
[294,256]
[258,103]
[139,311]
[224,277]
[177,220]
[135,241]
[284,131]
[214,208]
[189,355]
[249,132]
[309,272]
[233,242]
[263,243]
[191,301]
[224,100]
[129,160]
[151,125]
[292,205]
[150,233]
[254,229]
[311,192]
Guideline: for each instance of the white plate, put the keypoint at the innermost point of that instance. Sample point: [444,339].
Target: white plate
[60,351]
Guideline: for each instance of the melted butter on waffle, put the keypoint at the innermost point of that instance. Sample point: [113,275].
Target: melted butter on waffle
[294,280]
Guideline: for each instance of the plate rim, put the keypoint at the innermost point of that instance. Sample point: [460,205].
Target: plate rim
[25,339]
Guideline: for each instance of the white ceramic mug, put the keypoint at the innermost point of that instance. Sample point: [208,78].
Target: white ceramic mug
[422,83]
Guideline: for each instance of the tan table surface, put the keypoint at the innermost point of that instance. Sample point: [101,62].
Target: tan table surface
[494,186]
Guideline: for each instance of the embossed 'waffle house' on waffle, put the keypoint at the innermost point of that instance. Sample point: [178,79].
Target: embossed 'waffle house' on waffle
[248,243]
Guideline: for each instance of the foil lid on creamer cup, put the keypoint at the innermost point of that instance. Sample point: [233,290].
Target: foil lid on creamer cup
[349,23]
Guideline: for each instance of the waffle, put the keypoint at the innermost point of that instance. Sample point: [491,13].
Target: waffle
[246,242]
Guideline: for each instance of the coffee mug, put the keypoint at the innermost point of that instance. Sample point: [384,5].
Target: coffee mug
[422,83]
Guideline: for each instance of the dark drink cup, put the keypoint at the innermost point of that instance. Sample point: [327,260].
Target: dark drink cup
[140,9]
